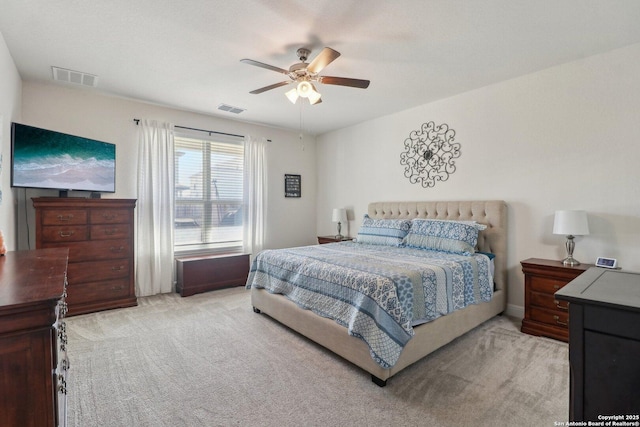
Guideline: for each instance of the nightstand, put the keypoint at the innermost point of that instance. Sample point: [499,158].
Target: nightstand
[544,315]
[333,239]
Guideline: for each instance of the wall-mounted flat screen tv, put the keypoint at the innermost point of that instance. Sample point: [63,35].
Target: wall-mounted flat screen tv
[42,158]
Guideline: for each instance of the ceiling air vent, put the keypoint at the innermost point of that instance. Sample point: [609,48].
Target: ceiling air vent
[230,109]
[75,77]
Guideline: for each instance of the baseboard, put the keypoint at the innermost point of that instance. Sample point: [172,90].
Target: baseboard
[515,311]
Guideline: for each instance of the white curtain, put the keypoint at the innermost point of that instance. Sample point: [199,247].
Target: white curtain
[154,248]
[255,194]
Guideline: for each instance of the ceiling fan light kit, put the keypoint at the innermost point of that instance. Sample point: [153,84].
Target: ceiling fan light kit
[305,73]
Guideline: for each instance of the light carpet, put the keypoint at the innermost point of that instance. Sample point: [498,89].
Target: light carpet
[209,360]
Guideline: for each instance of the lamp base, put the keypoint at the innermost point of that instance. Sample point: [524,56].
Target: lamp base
[570,261]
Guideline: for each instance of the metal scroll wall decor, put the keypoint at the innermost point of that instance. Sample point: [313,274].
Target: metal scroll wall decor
[429,154]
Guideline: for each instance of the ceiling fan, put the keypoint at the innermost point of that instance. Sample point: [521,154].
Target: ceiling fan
[305,74]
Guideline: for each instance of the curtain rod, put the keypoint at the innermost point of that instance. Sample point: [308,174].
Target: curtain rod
[202,130]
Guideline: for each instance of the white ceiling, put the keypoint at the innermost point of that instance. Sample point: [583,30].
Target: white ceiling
[186,54]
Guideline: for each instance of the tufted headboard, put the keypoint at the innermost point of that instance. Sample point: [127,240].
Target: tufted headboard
[492,213]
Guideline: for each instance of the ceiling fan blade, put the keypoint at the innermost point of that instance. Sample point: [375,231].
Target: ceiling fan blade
[263,65]
[343,81]
[266,88]
[324,58]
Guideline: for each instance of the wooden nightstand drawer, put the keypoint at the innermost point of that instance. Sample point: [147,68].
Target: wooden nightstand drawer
[546,285]
[551,318]
[548,301]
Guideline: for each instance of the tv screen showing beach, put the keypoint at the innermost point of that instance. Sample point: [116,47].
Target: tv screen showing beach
[46,159]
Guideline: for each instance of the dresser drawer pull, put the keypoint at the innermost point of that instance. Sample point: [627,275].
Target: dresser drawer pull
[116,249]
[62,385]
[65,217]
[117,288]
[109,216]
[110,231]
[66,233]
[556,287]
[120,268]
[560,307]
[557,319]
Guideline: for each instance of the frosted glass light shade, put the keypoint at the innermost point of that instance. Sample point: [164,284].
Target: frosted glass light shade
[571,223]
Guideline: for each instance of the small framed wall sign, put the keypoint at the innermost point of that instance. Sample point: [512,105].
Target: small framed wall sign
[292,185]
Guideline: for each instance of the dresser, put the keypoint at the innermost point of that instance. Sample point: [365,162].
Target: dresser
[544,315]
[604,345]
[33,341]
[99,235]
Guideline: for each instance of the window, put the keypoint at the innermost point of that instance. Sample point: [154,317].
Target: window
[208,193]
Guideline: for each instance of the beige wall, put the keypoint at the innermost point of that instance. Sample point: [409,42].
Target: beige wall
[564,138]
[290,222]
[10,101]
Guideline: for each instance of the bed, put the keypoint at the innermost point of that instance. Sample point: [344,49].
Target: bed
[423,338]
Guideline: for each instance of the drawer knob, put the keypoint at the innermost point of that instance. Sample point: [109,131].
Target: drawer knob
[109,216]
[65,217]
[110,231]
[556,287]
[560,307]
[557,319]
[116,249]
[120,268]
[62,385]
[66,233]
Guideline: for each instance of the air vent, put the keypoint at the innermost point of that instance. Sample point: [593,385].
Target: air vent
[230,109]
[75,77]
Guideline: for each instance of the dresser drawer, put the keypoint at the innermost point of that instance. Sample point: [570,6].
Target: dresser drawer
[98,291]
[92,251]
[64,216]
[109,216]
[65,233]
[548,301]
[552,318]
[81,272]
[546,284]
[110,231]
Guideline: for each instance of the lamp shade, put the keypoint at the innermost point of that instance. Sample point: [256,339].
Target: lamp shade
[571,223]
[339,215]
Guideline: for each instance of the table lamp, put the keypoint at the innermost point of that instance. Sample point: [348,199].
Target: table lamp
[339,216]
[570,224]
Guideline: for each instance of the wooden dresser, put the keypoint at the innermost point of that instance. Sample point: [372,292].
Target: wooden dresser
[33,353]
[99,235]
[543,314]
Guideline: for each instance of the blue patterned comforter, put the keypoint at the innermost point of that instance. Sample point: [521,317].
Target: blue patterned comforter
[377,292]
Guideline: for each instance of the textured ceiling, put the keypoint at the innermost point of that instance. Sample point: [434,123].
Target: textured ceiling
[186,54]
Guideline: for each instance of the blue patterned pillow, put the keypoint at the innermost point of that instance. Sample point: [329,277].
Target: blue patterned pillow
[458,237]
[389,232]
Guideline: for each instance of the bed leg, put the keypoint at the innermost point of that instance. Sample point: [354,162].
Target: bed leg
[378,381]
[256,310]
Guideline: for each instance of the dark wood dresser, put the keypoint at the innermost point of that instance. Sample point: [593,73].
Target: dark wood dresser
[99,235]
[543,314]
[33,358]
[604,345]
